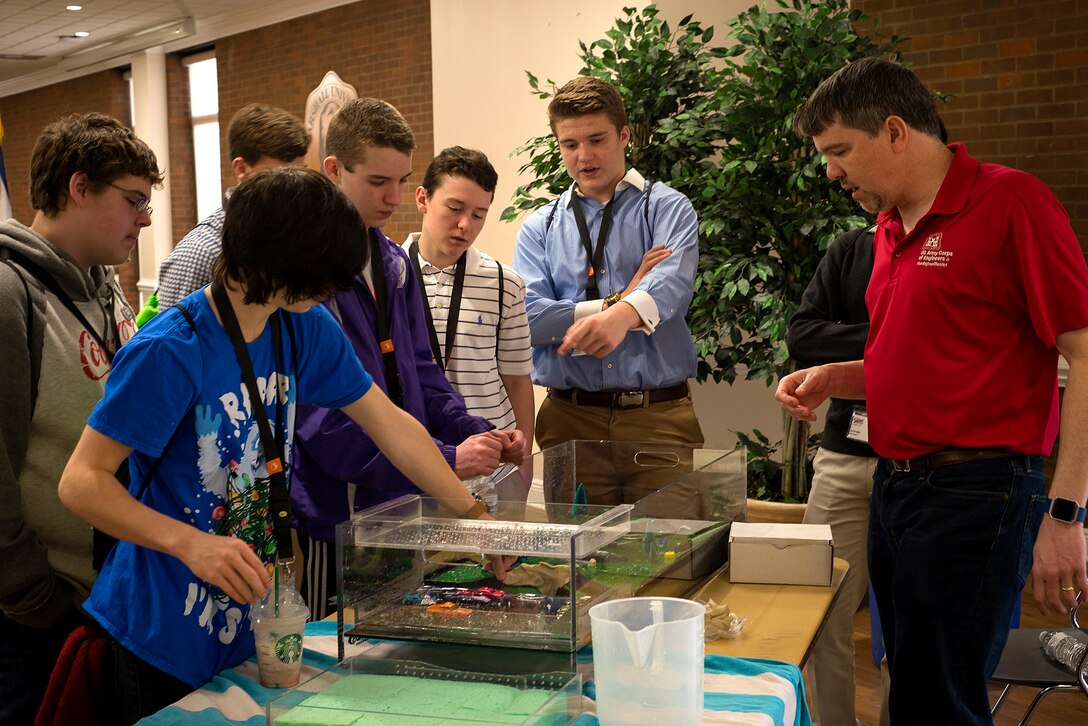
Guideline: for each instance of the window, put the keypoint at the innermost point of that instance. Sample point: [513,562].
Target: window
[204,108]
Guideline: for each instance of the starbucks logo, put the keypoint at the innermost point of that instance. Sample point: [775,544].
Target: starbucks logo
[289,648]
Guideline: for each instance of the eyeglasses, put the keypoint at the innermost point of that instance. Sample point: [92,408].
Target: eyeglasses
[143,204]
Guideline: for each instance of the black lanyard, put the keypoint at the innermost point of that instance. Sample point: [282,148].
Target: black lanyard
[39,273]
[279,506]
[595,254]
[381,322]
[454,315]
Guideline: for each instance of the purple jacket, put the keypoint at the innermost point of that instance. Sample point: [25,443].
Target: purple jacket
[331,450]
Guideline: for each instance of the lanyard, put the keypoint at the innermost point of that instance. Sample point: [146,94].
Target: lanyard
[454,315]
[595,254]
[381,322]
[279,506]
[38,272]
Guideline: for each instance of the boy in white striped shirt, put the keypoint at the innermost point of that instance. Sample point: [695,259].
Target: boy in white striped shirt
[478,328]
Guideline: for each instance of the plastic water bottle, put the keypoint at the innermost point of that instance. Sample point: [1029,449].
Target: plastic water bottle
[1063,648]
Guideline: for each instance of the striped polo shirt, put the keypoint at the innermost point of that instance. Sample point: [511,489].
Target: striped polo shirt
[482,329]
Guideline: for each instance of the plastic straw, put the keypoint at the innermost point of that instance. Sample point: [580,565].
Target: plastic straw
[276,589]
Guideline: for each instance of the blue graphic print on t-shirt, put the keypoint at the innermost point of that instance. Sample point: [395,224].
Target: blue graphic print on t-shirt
[177,394]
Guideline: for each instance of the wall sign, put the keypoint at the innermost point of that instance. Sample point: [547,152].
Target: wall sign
[321,105]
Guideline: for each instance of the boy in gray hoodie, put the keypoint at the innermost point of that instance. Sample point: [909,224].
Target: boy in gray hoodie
[62,317]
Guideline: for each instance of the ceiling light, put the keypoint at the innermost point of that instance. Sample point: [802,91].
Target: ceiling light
[98,51]
[73,7]
[81,33]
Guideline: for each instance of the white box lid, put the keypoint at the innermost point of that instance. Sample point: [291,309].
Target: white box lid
[781,533]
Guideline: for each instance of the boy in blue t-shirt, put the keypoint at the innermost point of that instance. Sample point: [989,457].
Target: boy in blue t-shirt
[197,549]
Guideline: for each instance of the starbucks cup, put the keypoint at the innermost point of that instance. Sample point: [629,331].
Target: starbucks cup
[277,632]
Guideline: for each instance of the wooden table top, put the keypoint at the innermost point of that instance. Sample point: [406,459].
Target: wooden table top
[781,621]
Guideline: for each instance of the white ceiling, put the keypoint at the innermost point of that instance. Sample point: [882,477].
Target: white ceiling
[38,47]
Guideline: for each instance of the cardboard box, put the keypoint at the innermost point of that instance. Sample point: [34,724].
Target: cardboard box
[788,554]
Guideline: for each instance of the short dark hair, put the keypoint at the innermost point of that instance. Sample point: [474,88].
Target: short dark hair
[585,95]
[459,161]
[258,130]
[863,94]
[364,122]
[92,143]
[290,230]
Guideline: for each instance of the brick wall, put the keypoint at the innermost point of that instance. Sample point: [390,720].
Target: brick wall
[1018,74]
[381,47]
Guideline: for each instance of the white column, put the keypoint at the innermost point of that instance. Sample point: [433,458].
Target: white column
[150,116]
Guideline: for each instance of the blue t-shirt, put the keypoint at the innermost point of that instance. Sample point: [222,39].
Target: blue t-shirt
[178,394]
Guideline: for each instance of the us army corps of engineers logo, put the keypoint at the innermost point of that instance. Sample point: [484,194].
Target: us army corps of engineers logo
[931,254]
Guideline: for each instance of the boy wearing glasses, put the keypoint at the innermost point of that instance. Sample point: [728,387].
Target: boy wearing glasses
[62,317]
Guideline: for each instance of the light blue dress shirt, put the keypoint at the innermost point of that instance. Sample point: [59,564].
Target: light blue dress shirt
[554,265]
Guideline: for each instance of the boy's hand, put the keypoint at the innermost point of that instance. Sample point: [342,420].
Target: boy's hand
[514,446]
[227,563]
[478,454]
[649,262]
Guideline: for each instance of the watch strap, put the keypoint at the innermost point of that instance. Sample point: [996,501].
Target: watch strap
[1069,504]
[478,508]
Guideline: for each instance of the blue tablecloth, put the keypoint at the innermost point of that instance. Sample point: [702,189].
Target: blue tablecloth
[740,691]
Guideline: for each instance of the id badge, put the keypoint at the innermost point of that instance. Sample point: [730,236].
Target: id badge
[859,425]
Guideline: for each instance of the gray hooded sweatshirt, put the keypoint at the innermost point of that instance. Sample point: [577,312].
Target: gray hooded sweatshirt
[44,548]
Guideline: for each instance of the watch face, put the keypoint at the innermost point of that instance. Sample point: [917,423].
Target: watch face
[1064,509]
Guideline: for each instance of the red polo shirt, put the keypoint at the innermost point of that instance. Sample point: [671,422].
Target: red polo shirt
[965,311]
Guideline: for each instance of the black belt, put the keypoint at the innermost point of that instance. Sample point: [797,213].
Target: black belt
[620,399]
[948,457]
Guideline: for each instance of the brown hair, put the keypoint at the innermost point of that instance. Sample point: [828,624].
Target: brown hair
[585,95]
[863,94]
[258,130]
[366,122]
[92,143]
[459,161]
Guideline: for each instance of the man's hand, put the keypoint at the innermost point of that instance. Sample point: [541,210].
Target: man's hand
[228,564]
[600,333]
[649,262]
[514,446]
[478,454]
[802,392]
[1058,572]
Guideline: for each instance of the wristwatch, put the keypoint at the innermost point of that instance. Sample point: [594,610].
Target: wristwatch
[479,507]
[610,300]
[1065,510]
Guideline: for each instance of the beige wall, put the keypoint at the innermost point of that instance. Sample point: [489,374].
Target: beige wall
[481,50]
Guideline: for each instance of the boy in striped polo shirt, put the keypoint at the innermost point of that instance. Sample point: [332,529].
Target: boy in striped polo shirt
[475,305]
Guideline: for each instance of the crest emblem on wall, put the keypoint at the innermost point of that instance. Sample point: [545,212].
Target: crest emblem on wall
[321,105]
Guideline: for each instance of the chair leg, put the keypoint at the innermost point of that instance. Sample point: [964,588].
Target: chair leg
[1000,699]
[1041,695]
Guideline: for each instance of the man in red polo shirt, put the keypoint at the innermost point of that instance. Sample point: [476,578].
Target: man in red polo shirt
[978,283]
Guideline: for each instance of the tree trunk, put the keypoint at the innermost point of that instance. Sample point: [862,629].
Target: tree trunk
[794,453]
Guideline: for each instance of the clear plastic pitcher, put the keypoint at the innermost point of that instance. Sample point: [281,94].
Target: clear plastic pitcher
[648,661]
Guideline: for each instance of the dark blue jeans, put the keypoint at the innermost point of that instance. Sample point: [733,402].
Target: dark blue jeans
[949,552]
[142,689]
[27,657]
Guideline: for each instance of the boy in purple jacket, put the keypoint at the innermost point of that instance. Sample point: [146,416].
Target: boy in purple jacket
[339,469]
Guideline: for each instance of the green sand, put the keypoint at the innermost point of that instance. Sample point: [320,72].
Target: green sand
[377,700]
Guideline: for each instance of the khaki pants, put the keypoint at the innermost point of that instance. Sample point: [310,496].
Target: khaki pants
[620,473]
[840,493]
